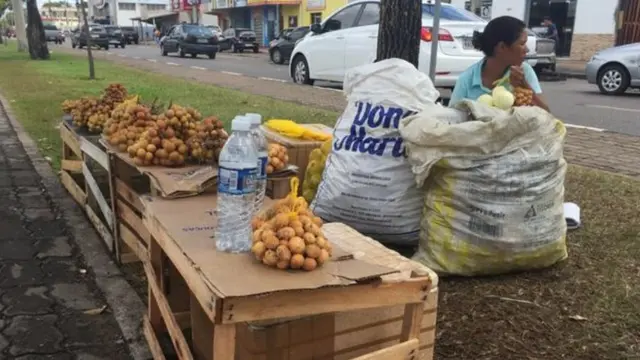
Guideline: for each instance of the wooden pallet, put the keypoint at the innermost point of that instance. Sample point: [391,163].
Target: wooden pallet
[85,174]
[183,300]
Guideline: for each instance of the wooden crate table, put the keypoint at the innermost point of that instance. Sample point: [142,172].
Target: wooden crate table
[84,172]
[237,308]
[130,182]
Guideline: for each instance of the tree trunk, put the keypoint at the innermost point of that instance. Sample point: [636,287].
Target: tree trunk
[85,28]
[399,30]
[35,33]
[18,18]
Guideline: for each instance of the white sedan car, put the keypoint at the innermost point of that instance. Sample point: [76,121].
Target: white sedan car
[349,38]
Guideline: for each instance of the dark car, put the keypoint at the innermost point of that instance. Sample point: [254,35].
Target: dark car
[190,39]
[52,33]
[99,37]
[239,39]
[280,49]
[116,37]
[130,34]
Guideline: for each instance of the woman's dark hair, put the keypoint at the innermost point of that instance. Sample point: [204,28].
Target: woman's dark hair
[504,29]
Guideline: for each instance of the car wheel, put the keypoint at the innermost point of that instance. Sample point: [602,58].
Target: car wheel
[163,52]
[181,52]
[212,56]
[79,46]
[613,79]
[234,48]
[122,45]
[194,55]
[241,50]
[115,46]
[73,45]
[256,50]
[300,72]
[276,56]
[137,41]
[106,47]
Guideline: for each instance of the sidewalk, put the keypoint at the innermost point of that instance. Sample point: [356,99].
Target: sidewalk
[50,306]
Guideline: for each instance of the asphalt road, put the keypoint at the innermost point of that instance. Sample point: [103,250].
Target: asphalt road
[573,101]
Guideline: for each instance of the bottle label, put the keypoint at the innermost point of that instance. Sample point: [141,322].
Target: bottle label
[237,181]
[262,167]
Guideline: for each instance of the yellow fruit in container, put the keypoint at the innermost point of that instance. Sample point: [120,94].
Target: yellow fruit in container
[289,236]
[278,158]
[315,168]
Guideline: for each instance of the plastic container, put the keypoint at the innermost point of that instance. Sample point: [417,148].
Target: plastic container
[262,146]
[236,188]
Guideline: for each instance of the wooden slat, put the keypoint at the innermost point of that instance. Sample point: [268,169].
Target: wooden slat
[177,338]
[402,351]
[77,193]
[97,194]
[224,342]
[152,340]
[126,214]
[70,140]
[322,301]
[74,166]
[100,227]
[95,153]
[132,241]
[191,274]
[127,193]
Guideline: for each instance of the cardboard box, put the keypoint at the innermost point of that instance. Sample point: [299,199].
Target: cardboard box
[297,149]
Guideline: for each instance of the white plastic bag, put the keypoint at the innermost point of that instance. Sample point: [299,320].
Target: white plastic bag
[495,192]
[367,182]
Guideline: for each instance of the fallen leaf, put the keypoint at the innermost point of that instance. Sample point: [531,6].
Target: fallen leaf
[577,318]
[96,311]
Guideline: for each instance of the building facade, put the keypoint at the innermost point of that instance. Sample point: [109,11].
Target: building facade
[64,18]
[584,26]
[120,12]
[268,17]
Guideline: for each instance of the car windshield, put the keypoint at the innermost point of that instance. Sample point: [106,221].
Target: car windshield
[245,32]
[111,29]
[96,29]
[197,30]
[50,27]
[449,12]
[127,28]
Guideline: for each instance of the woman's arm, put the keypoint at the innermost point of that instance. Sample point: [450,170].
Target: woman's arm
[532,82]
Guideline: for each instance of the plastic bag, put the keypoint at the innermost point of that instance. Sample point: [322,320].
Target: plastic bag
[495,190]
[367,183]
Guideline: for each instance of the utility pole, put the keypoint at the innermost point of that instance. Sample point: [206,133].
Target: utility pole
[21,30]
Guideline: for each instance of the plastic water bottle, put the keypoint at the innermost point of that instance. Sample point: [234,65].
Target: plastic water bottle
[236,188]
[263,158]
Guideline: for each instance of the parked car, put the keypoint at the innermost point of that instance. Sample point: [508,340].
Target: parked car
[130,34]
[542,55]
[616,69]
[349,38]
[52,33]
[280,49]
[116,37]
[190,39]
[216,29]
[99,37]
[239,39]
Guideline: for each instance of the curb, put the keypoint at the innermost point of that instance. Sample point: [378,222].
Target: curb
[126,306]
[572,75]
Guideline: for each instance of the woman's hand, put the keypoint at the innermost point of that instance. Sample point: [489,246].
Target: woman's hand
[516,77]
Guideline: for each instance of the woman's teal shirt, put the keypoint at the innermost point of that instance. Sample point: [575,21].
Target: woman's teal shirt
[469,84]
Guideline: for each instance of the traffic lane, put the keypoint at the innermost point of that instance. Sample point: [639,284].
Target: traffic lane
[577,102]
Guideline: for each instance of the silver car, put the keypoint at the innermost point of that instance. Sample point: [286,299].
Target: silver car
[616,69]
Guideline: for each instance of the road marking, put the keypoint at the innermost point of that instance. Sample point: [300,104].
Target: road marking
[612,108]
[584,127]
[198,68]
[121,55]
[173,64]
[271,79]
[137,57]
[330,89]
[152,60]
[109,53]
[231,73]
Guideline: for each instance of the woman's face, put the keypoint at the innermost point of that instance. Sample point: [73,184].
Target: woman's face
[514,55]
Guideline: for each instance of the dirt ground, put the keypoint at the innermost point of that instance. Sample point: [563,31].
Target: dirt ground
[587,307]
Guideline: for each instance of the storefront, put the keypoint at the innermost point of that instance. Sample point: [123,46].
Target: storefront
[584,26]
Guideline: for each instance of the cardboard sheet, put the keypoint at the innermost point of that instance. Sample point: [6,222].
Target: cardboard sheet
[175,182]
[191,222]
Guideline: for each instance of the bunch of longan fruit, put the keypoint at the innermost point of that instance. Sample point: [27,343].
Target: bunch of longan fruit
[278,158]
[127,124]
[206,140]
[523,96]
[291,238]
[155,149]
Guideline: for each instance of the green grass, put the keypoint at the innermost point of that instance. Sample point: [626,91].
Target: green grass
[36,89]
